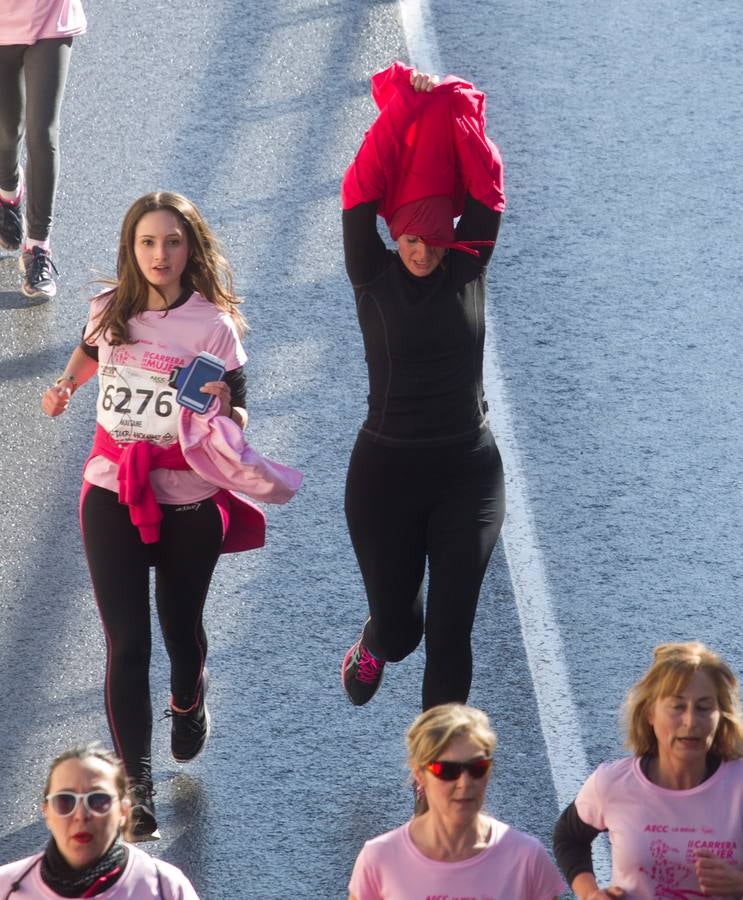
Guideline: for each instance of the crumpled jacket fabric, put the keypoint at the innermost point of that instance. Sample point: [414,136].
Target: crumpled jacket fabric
[215,448]
[424,145]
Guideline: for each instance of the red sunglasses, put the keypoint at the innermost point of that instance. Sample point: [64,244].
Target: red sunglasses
[450,771]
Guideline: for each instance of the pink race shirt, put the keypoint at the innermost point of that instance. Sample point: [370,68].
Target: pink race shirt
[655,831]
[135,401]
[514,866]
[139,881]
[28,21]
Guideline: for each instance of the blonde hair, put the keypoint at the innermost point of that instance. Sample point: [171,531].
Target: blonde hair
[207,271]
[434,729]
[673,666]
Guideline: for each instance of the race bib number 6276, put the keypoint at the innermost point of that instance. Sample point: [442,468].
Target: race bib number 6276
[137,405]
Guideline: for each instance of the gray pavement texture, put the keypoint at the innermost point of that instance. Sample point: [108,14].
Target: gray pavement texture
[615,305]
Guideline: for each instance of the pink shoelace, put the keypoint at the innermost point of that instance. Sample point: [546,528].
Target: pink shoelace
[368,667]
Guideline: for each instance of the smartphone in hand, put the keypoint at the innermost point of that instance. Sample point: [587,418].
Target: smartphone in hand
[188,381]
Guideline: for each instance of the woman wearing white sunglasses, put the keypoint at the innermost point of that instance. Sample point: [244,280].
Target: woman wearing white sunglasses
[86,810]
[451,848]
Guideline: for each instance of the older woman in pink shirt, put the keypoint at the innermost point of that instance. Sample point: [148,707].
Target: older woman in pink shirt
[35,46]
[673,808]
[451,848]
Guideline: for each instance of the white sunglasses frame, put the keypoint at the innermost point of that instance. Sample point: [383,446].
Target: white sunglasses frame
[78,798]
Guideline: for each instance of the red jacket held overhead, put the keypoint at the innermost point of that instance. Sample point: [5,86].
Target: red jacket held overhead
[424,145]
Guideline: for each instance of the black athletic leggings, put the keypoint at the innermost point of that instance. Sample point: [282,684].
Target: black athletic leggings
[406,505]
[184,559]
[33,80]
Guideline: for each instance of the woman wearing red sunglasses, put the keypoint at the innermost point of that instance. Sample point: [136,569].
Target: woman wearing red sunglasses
[451,848]
[86,808]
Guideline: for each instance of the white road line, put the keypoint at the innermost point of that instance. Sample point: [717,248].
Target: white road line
[420,36]
[557,711]
[544,650]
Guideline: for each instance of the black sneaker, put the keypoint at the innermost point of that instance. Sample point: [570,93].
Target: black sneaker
[37,266]
[142,824]
[361,673]
[11,225]
[190,729]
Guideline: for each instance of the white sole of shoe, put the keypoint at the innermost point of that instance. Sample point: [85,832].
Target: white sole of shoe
[143,838]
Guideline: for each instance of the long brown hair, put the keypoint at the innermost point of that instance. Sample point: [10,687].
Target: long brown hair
[207,271]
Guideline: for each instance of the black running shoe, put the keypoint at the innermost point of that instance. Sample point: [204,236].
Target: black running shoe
[142,824]
[38,280]
[11,225]
[190,729]
[361,673]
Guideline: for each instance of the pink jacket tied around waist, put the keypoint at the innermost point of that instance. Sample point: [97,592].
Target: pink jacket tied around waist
[215,448]
[425,145]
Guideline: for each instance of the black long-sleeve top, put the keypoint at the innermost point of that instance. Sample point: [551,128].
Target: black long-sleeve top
[423,336]
[571,842]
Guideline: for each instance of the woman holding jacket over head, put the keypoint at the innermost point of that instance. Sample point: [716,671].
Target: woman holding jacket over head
[425,481]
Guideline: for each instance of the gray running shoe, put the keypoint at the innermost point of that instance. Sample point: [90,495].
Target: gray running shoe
[142,824]
[37,268]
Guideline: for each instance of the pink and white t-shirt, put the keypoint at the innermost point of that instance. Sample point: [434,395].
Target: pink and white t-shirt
[139,881]
[28,21]
[135,401]
[654,831]
[514,866]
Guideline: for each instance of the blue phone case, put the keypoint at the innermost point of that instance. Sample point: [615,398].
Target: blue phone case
[193,377]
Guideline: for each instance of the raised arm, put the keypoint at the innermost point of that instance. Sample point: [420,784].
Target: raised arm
[478,223]
[366,181]
[363,248]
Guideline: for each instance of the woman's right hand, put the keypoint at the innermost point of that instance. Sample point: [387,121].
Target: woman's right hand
[422,82]
[56,400]
[585,887]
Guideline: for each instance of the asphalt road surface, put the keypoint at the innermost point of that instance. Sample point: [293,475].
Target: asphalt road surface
[614,321]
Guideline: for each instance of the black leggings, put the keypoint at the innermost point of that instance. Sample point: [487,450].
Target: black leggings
[406,505]
[33,79]
[184,559]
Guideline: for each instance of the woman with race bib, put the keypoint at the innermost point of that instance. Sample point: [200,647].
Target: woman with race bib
[156,490]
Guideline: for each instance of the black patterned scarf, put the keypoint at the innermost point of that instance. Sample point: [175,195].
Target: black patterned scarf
[57,874]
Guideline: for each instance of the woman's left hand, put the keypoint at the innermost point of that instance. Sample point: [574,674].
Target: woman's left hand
[221,390]
[717,876]
[422,82]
